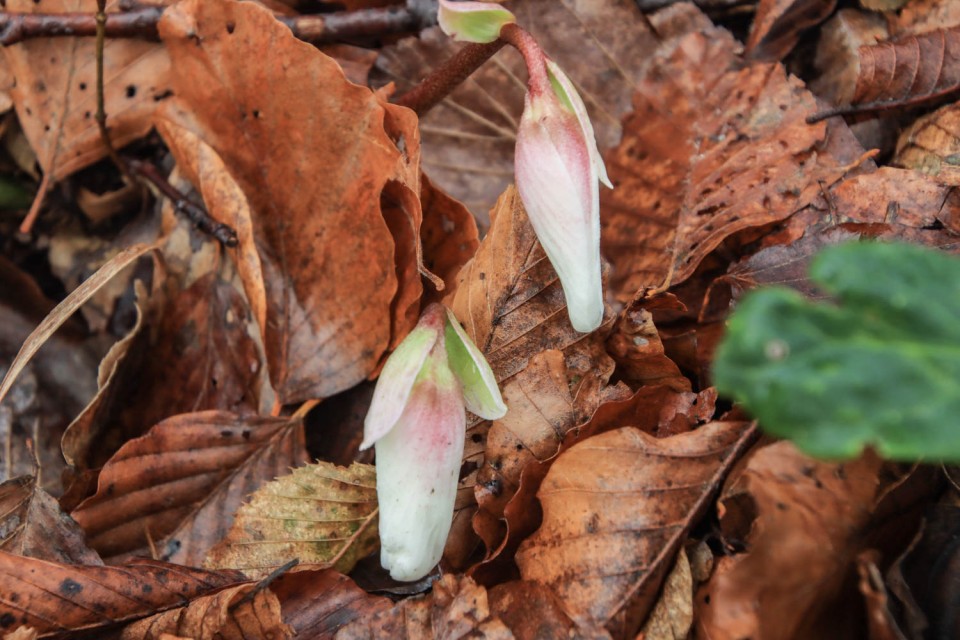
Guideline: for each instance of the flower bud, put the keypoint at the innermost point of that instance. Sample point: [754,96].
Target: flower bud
[418,421]
[478,22]
[558,167]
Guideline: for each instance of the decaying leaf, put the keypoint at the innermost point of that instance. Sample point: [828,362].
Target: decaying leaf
[312,153]
[240,612]
[800,520]
[672,617]
[448,234]
[909,70]
[319,514]
[33,525]
[712,148]
[55,92]
[932,145]
[316,603]
[778,25]
[457,607]
[177,487]
[837,56]
[53,597]
[616,507]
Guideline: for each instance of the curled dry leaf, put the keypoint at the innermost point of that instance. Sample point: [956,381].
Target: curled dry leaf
[33,525]
[55,92]
[909,70]
[240,612]
[616,507]
[456,608]
[469,137]
[53,597]
[837,58]
[448,234]
[801,520]
[315,219]
[179,486]
[319,514]
[711,149]
[932,145]
[778,25]
[636,346]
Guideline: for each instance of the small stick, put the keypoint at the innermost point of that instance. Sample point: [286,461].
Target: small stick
[194,212]
[141,23]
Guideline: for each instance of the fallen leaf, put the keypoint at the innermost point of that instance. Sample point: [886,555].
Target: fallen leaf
[319,514]
[316,603]
[636,347]
[837,57]
[533,612]
[53,597]
[881,623]
[449,235]
[672,616]
[456,608]
[778,24]
[179,485]
[711,149]
[931,145]
[616,507]
[800,520]
[315,216]
[240,612]
[908,70]
[55,92]
[33,525]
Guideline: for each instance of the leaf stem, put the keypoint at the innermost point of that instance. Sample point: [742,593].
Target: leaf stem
[448,76]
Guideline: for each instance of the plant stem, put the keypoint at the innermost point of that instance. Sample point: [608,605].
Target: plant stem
[533,56]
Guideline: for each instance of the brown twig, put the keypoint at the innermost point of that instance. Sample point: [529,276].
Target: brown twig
[141,23]
[194,212]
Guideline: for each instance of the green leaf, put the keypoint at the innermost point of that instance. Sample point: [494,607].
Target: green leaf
[878,366]
[319,514]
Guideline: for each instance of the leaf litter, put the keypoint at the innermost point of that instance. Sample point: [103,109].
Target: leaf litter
[619,495]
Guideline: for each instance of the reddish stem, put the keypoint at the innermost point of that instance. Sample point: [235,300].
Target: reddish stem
[533,56]
[448,77]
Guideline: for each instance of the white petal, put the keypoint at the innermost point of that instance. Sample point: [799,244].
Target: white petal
[396,382]
[560,192]
[480,391]
[418,464]
[580,110]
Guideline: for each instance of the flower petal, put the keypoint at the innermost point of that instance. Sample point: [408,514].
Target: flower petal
[557,182]
[480,391]
[568,94]
[397,378]
[418,464]
[473,21]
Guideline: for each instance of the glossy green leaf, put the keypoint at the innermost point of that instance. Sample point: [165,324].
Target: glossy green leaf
[878,366]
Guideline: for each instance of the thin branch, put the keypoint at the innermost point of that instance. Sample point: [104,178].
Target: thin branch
[141,23]
[101,115]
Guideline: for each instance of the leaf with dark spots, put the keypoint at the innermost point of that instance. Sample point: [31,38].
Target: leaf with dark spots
[615,509]
[181,483]
[53,597]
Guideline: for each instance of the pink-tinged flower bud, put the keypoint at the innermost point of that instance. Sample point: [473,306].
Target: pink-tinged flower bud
[478,22]
[558,167]
[418,421]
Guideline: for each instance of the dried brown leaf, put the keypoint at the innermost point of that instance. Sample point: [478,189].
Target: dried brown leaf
[312,153]
[55,92]
[909,70]
[449,235]
[238,613]
[532,611]
[711,149]
[932,145]
[180,484]
[66,307]
[469,137]
[837,57]
[316,603]
[319,514]
[881,623]
[53,597]
[672,617]
[33,525]
[616,507]
[801,520]
[636,347]
[778,24]
[456,608]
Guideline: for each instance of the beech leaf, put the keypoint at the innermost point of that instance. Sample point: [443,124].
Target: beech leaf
[879,367]
[319,514]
